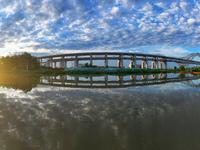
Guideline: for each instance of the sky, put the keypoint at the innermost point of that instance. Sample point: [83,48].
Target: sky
[46,27]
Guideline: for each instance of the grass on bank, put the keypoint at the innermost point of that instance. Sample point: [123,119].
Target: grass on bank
[84,72]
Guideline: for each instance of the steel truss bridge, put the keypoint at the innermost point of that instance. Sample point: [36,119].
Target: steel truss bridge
[157,61]
[189,57]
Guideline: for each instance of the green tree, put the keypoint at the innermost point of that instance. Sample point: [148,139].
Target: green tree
[195,69]
[182,68]
[23,61]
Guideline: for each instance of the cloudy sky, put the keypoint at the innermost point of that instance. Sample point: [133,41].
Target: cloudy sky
[168,27]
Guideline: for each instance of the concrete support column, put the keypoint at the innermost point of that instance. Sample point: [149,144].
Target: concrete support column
[135,61]
[62,62]
[156,62]
[90,59]
[65,64]
[160,65]
[143,61]
[76,62]
[54,64]
[147,65]
[120,61]
[152,64]
[165,65]
[48,63]
[51,62]
[41,62]
[106,60]
[131,62]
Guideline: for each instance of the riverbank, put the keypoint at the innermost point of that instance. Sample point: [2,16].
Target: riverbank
[94,71]
[186,72]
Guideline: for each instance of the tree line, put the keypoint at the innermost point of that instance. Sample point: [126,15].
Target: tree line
[23,61]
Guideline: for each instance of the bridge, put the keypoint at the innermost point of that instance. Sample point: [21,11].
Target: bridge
[157,61]
[116,81]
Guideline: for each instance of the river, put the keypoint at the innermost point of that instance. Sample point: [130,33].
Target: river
[100,112]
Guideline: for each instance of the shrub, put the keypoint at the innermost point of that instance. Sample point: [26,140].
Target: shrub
[182,68]
[195,69]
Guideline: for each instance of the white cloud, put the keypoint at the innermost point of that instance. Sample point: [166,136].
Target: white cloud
[115,11]
[162,5]
[182,20]
[184,6]
[170,51]
[191,21]
[163,16]
[88,25]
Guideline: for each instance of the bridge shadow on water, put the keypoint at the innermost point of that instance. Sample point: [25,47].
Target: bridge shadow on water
[26,84]
[109,81]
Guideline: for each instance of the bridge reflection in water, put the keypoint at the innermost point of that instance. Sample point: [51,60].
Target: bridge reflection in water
[109,81]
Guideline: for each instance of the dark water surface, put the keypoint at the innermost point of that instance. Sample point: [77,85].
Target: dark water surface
[100,113]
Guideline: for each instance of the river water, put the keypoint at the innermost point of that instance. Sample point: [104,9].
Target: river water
[100,112]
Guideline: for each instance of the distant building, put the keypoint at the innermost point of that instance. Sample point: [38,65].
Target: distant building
[137,66]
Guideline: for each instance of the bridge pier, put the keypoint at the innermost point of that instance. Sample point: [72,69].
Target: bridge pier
[90,59]
[133,62]
[76,62]
[51,62]
[165,64]
[62,62]
[144,62]
[153,62]
[41,62]
[47,63]
[65,64]
[106,60]
[120,61]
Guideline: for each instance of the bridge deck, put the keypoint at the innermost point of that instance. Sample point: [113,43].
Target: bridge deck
[120,56]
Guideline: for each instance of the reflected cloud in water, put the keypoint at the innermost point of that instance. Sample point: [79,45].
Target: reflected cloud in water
[164,116]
